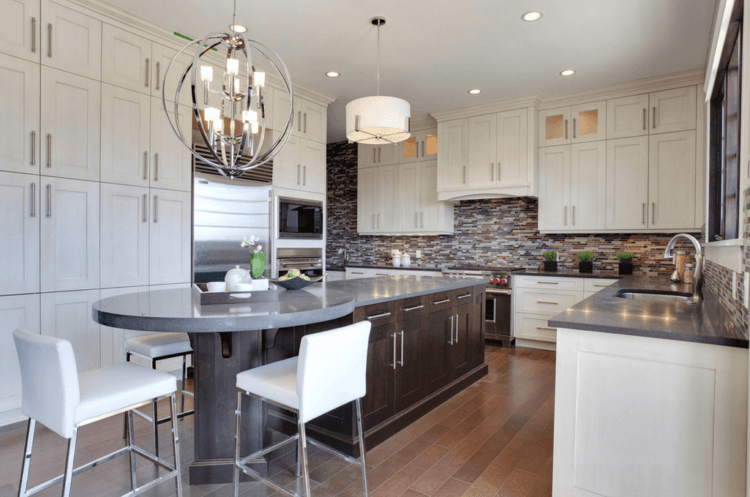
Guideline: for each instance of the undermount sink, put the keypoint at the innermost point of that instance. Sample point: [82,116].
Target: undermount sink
[655,295]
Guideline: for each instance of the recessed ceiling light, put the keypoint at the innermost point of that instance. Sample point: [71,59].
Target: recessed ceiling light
[333,74]
[532,16]
[238,28]
[567,72]
[475,91]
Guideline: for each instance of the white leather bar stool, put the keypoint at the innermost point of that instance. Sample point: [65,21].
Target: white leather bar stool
[329,372]
[54,394]
[159,347]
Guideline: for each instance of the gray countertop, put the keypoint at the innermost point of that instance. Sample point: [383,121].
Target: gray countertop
[703,322]
[413,267]
[571,273]
[177,311]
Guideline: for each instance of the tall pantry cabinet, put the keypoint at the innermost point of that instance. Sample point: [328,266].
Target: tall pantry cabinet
[94,187]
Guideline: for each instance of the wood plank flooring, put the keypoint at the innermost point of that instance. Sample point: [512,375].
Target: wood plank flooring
[494,439]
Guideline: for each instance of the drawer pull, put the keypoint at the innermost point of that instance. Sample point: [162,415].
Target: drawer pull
[441,301]
[545,328]
[548,282]
[408,309]
[357,272]
[463,296]
[381,274]
[378,316]
[601,286]
[545,302]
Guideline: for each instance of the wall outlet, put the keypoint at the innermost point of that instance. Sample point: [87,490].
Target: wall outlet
[746,295]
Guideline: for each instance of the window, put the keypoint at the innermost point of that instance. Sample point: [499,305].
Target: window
[724,178]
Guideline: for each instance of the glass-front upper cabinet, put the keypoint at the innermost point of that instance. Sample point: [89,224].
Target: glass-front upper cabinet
[421,145]
[577,124]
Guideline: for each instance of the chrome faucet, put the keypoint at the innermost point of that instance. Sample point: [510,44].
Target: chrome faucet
[698,275]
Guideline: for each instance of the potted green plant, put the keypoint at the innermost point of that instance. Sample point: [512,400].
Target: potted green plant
[626,262]
[550,261]
[586,262]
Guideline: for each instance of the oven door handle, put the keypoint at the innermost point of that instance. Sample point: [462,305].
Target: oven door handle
[498,292]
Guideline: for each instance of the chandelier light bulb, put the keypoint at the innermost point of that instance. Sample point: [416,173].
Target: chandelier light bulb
[233,66]
[259,78]
[236,85]
[218,125]
[254,128]
[250,116]
[211,114]
[207,73]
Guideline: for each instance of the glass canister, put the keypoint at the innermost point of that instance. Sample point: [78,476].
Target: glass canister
[689,271]
[680,259]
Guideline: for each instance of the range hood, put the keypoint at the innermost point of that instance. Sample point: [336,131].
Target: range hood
[487,193]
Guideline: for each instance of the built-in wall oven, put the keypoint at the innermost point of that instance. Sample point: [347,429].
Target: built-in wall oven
[309,261]
[300,219]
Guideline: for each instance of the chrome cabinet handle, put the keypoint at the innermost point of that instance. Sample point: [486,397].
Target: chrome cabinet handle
[643,212]
[654,117]
[145,207]
[645,112]
[601,286]
[451,340]
[49,200]
[380,154]
[156,166]
[421,218]
[305,119]
[545,328]
[416,154]
[653,212]
[33,35]
[548,303]
[438,302]
[573,215]
[378,221]
[49,149]
[565,216]
[402,349]
[304,175]
[158,73]
[492,171]
[299,120]
[33,148]
[357,272]
[464,174]
[156,208]
[33,200]
[299,168]
[574,128]
[499,171]
[409,309]
[49,40]
[376,316]
[463,296]
[548,283]
[374,154]
[455,340]
[566,129]
[423,148]
[145,165]
[394,351]
[148,65]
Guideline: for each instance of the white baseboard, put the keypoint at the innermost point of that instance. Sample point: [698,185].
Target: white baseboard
[536,344]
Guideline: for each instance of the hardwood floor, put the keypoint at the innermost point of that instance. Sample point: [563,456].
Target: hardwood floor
[494,439]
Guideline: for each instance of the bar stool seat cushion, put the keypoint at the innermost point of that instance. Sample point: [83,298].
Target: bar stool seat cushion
[276,382]
[159,344]
[110,389]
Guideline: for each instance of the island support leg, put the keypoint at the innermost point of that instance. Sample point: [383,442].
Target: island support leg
[215,401]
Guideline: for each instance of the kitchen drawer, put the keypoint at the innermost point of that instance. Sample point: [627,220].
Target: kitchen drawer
[377,314]
[544,301]
[411,308]
[530,327]
[463,296]
[439,301]
[548,283]
[353,274]
[596,284]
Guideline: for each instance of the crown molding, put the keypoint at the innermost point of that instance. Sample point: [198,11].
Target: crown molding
[529,100]
[159,33]
[420,123]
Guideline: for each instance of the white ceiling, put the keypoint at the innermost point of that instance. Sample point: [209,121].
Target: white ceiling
[434,51]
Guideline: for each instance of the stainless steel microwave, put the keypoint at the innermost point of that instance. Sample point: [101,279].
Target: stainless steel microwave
[299,218]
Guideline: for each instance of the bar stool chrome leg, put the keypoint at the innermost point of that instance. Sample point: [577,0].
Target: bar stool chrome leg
[155,418]
[237,429]
[298,449]
[362,448]
[131,442]
[27,457]
[303,444]
[182,386]
[69,463]
[175,442]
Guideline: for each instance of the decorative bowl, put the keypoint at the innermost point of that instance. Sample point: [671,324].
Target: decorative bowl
[298,283]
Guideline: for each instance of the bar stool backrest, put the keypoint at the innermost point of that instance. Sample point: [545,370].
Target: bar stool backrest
[49,381]
[332,369]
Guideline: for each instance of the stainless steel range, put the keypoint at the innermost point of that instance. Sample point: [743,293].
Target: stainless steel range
[497,307]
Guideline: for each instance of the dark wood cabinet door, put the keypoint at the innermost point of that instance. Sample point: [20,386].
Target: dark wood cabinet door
[437,350]
[410,381]
[378,404]
[476,332]
[463,322]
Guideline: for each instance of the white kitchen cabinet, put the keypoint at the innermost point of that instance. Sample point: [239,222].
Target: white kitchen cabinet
[377,198]
[512,149]
[18,311]
[408,196]
[671,184]
[673,110]
[313,160]
[126,60]
[434,216]
[281,114]
[627,116]
[301,166]
[161,57]
[554,127]
[589,122]
[19,120]
[482,152]
[124,236]
[171,161]
[67,315]
[377,155]
[588,186]
[554,197]
[421,145]
[71,41]
[126,116]
[452,153]
[20,26]
[314,122]
[70,125]
[170,237]
[627,183]
[70,234]
[287,165]
[113,339]
[19,218]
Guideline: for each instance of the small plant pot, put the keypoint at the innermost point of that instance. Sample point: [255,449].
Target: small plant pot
[550,266]
[626,266]
[586,266]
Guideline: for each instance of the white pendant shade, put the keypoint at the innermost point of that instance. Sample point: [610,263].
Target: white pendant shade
[378,120]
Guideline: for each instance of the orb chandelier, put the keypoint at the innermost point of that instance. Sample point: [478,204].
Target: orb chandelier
[378,120]
[234,130]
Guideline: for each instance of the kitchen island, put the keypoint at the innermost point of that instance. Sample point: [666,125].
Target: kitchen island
[650,395]
[426,345]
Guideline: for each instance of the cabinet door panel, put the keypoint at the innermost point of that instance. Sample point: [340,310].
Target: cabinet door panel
[511,148]
[673,110]
[313,159]
[124,236]
[367,155]
[281,113]
[287,165]
[671,184]
[19,217]
[126,119]
[70,125]
[313,121]
[554,127]
[461,351]
[378,405]
[70,235]
[162,56]
[409,196]
[126,60]
[171,164]
[388,214]
[437,350]
[627,116]
[366,191]
[410,383]
[19,119]
[588,186]
[627,183]
[452,152]
[554,188]
[67,315]
[113,339]
[589,122]
[20,26]
[431,211]
[482,151]
[169,237]
[18,311]
[71,41]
